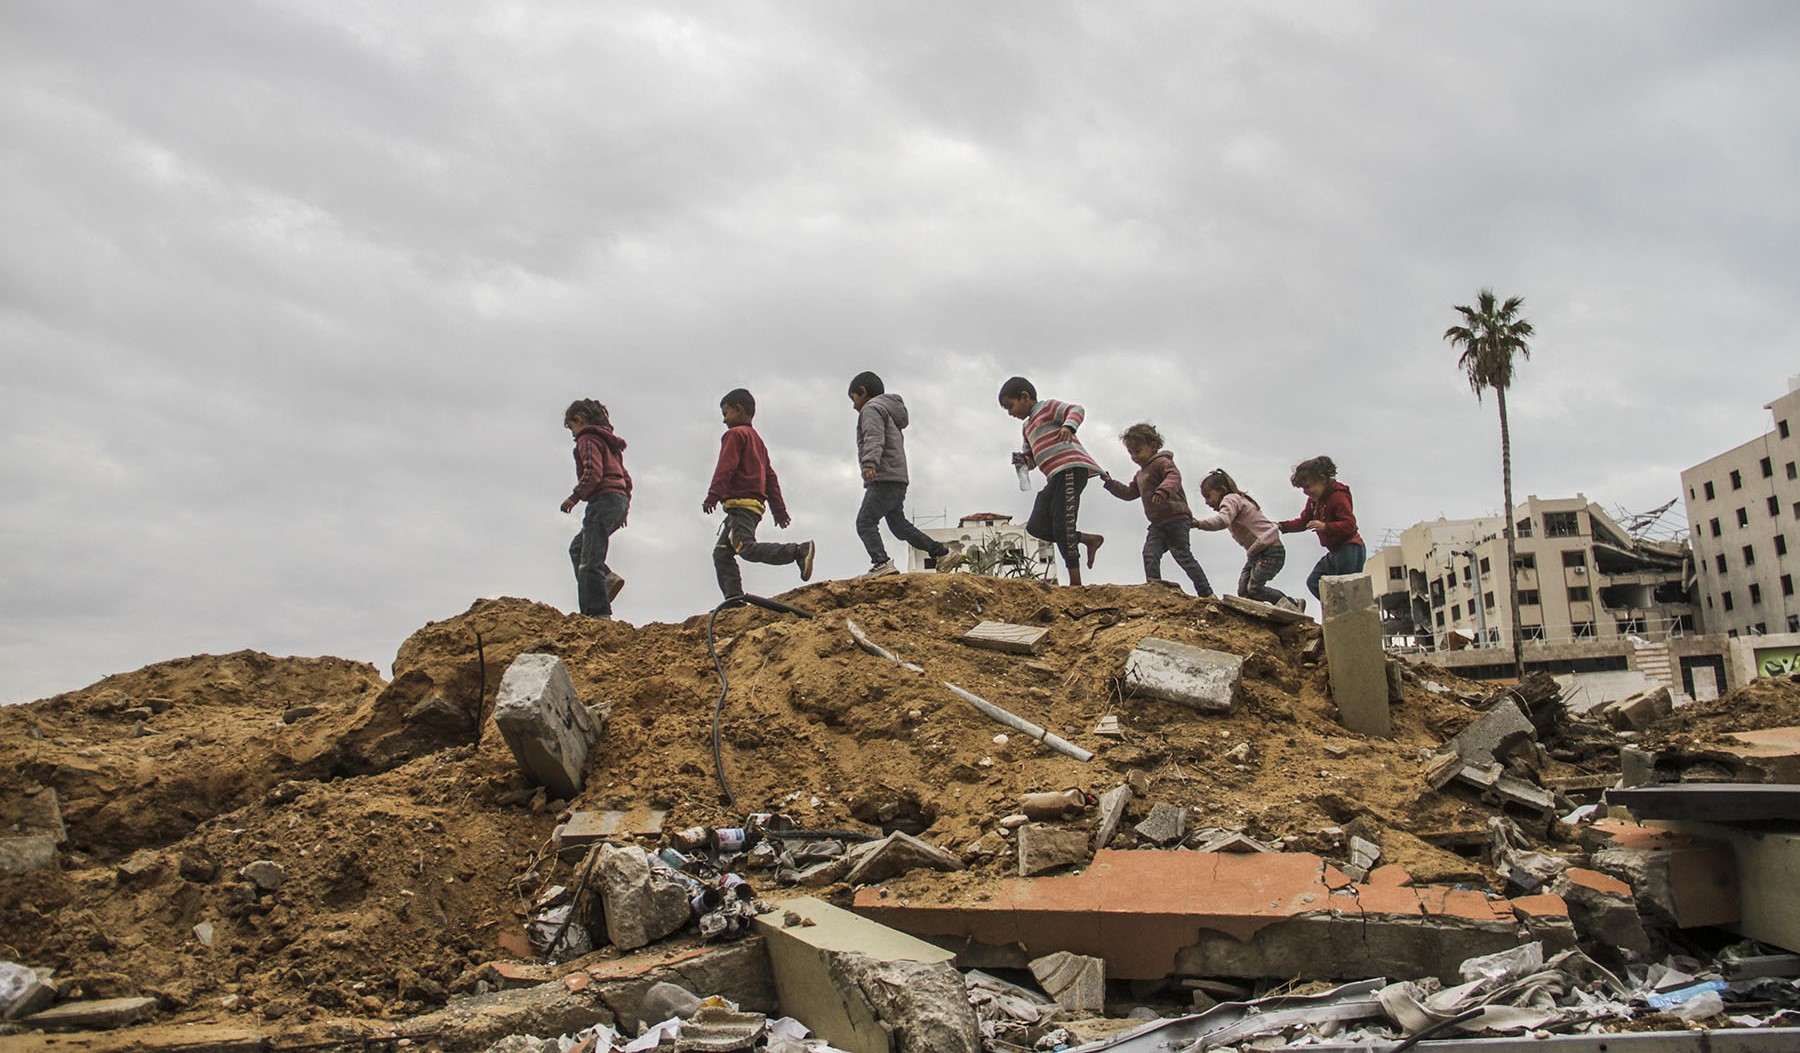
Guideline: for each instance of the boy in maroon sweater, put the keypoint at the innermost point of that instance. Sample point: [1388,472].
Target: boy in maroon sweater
[1329,514]
[745,483]
[602,481]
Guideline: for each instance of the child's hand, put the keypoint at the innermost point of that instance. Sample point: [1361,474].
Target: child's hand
[708,505]
[868,474]
[1158,498]
[782,519]
[1018,457]
[1065,434]
[569,505]
[1315,525]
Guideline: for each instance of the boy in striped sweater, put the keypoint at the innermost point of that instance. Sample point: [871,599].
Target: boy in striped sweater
[1052,448]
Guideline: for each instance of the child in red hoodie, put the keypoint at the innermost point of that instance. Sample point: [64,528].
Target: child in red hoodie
[1329,514]
[745,483]
[602,481]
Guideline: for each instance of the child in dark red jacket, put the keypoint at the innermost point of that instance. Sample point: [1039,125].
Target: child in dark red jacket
[1158,484]
[1330,514]
[602,481]
[745,483]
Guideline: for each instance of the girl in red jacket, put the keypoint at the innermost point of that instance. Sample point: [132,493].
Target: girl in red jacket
[1329,514]
[602,481]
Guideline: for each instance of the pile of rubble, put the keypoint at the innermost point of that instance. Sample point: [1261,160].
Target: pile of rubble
[1002,815]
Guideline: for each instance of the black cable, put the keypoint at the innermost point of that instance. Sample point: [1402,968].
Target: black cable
[724,684]
[1442,1025]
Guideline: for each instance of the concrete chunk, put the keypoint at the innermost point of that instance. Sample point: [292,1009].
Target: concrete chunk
[1204,679]
[643,903]
[19,855]
[1004,636]
[896,854]
[1268,612]
[101,1015]
[544,723]
[1076,981]
[1639,711]
[806,940]
[1109,813]
[1358,665]
[1166,824]
[1043,846]
[1495,734]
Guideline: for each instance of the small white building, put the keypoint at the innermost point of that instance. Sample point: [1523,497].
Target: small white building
[991,543]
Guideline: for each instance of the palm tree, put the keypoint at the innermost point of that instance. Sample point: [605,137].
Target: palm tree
[1489,336]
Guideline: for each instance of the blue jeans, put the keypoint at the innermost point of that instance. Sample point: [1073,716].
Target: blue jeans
[1345,559]
[887,501]
[1259,570]
[1172,538]
[605,514]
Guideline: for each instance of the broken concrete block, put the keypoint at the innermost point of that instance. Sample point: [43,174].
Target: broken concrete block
[1677,878]
[1605,916]
[922,1007]
[1511,790]
[1044,847]
[1003,636]
[265,874]
[1076,981]
[1265,611]
[1639,711]
[544,723]
[642,903]
[1494,735]
[1358,665]
[810,982]
[19,855]
[1637,767]
[144,863]
[22,991]
[1108,727]
[101,1015]
[1166,824]
[716,1029]
[1109,813]
[896,854]
[1204,679]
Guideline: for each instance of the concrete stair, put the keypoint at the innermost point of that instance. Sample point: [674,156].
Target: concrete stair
[1652,660]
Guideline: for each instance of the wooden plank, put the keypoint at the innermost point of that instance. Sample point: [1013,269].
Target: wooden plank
[1005,636]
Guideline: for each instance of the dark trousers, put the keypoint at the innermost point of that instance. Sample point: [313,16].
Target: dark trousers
[1054,511]
[737,540]
[1172,538]
[605,514]
[887,501]
[1344,559]
[1259,570]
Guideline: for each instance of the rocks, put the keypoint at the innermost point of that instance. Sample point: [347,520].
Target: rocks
[1109,813]
[266,875]
[23,991]
[1001,636]
[896,854]
[544,723]
[1204,679]
[1076,981]
[1358,665]
[1166,824]
[642,903]
[101,1015]
[923,1007]
[19,855]
[1638,712]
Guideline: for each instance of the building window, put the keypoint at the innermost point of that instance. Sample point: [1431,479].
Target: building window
[1440,619]
[1755,593]
[1781,544]
[1762,628]
[1685,623]
[1562,524]
[1574,558]
[1792,472]
[1709,603]
[1485,567]
[1768,468]
[1522,528]
[1726,597]
[1396,573]
[1774,506]
[1797,509]
[1526,561]
[1737,479]
[1528,597]
[1743,517]
[1714,525]
[1580,594]
[1487,600]
[1583,629]
[1531,632]
[1720,560]
[1690,493]
[1794,623]
[1781,426]
[1709,489]
[1749,555]
[1631,625]
[1456,612]
[1787,584]
[1467,574]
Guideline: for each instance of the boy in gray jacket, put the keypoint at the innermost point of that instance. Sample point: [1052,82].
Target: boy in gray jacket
[881,449]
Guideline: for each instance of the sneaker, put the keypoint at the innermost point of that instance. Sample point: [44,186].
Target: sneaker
[1289,603]
[948,562]
[882,569]
[614,586]
[807,549]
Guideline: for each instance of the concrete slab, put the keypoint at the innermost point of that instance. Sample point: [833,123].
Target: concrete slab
[1711,802]
[1353,653]
[804,937]
[100,1015]
[544,722]
[896,854]
[1677,877]
[1076,981]
[1766,863]
[1044,847]
[1109,813]
[1204,679]
[1494,734]
[1005,636]
[1267,612]
[1153,913]
[1165,825]
[20,855]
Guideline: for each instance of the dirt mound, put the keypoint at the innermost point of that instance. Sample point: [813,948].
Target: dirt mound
[1772,702]
[405,846]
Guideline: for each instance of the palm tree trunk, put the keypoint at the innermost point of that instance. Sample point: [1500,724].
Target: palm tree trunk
[1512,571]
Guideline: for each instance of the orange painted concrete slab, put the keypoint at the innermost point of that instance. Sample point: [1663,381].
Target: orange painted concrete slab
[1137,909]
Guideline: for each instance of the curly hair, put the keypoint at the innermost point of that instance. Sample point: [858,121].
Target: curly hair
[1320,469]
[1142,434]
[588,411]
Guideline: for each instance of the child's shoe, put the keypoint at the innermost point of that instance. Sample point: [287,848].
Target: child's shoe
[614,586]
[882,569]
[949,562]
[807,549]
[1290,603]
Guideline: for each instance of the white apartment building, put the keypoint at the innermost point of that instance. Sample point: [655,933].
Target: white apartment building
[1581,577]
[1743,510]
[991,543]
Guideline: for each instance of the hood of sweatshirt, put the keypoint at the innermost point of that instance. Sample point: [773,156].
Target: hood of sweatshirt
[890,406]
[604,434]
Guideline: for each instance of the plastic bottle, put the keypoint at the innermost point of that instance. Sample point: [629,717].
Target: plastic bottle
[1024,475]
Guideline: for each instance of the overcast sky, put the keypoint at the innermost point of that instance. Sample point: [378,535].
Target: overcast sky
[293,295]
